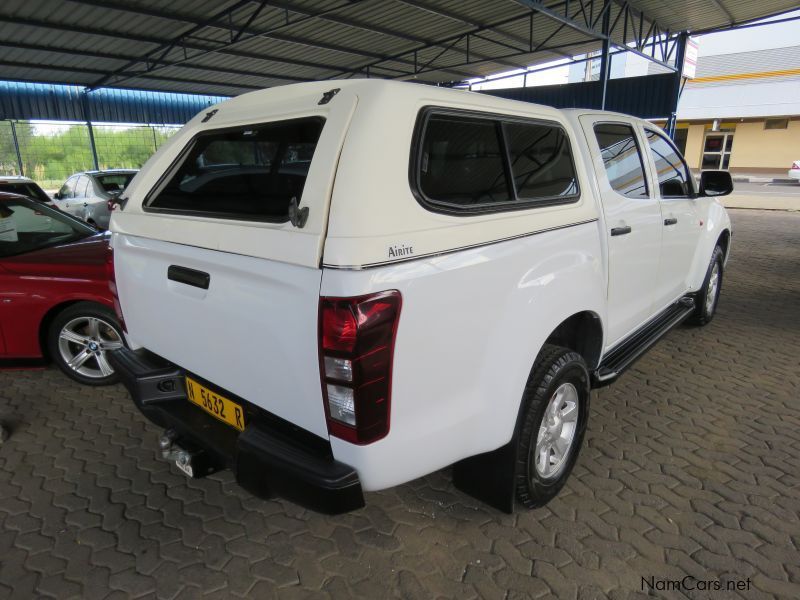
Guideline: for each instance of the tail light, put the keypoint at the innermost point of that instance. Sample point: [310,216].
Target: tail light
[356,347]
[112,285]
[796,164]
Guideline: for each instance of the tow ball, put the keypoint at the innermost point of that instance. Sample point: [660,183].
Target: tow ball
[193,461]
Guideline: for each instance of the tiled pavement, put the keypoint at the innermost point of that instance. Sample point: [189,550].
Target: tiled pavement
[691,466]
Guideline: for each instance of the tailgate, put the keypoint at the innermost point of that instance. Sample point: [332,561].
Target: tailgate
[252,332]
[211,274]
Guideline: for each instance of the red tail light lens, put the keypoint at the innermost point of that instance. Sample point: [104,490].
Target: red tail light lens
[112,285]
[356,346]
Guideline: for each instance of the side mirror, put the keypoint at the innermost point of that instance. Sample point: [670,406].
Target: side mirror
[57,196]
[715,183]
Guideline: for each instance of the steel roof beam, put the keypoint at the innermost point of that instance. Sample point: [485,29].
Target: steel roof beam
[158,41]
[565,19]
[88,71]
[452,42]
[161,41]
[273,33]
[360,25]
[129,57]
[449,14]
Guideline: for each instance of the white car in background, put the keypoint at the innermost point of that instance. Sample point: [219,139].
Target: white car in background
[337,289]
[794,172]
[16,184]
[86,195]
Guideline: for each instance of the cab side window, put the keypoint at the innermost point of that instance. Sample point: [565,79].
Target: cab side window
[674,180]
[68,189]
[80,187]
[622,159]
[89,193]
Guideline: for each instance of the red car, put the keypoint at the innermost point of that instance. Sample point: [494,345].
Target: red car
[55,300]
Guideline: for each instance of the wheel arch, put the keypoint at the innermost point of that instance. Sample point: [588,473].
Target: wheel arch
[724,242]
[47,321]
[581,332]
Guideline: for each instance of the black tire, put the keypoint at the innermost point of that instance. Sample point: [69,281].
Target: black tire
[555,367]
[94,370]
[706,309]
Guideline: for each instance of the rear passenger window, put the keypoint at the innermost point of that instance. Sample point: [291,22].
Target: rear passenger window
[673,175]
[483,164]
[462,163]
[622,159]
[247,173]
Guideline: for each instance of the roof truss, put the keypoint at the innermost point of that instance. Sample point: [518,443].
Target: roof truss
[245,44]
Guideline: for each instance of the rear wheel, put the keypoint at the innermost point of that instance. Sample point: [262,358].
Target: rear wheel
[555,413]
[708,296]
[79,340]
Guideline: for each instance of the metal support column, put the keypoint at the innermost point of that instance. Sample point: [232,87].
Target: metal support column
[680,54]
[605,56]
[16,148]
[87,116]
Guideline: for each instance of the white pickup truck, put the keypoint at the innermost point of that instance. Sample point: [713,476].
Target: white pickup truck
[338,287]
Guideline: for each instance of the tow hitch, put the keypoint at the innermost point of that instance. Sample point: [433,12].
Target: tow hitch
[193,461]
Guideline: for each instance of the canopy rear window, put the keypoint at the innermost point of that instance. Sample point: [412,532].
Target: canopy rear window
[245,173]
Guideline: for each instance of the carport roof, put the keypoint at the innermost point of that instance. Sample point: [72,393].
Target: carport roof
[233,46]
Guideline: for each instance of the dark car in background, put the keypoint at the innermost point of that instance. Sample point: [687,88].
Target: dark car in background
[86,195]
[15,184]
[55,298]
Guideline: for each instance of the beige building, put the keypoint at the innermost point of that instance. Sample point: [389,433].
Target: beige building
[742,111]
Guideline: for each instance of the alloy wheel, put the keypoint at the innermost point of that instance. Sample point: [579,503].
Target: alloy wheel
[84,343]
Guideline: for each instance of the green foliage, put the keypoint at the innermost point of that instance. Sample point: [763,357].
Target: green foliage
[51,154]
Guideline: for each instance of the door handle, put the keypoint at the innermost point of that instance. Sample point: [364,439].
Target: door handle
[621,230]
[670,221]
[188,276]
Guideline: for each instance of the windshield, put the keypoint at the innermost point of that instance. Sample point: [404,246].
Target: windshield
[24,188]
[26,226]
[114,182]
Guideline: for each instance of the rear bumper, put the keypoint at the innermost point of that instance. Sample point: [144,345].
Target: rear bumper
[270,457]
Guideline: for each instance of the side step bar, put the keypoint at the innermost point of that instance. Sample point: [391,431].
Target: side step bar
[629,351]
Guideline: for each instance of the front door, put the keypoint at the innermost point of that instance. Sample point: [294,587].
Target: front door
[632,218]
[66,195]
[681,223]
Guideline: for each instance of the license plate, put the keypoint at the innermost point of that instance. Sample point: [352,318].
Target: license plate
[217,406]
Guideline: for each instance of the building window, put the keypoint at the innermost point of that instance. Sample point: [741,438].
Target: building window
[776,124]
[717,150]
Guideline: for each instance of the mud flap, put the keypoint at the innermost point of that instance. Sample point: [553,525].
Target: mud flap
[489,477]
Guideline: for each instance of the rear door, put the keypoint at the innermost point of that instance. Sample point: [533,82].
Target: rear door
[79,203]
[212,274]
[632,218]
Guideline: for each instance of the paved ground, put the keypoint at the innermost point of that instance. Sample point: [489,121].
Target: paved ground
[691,466]
[771,196]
